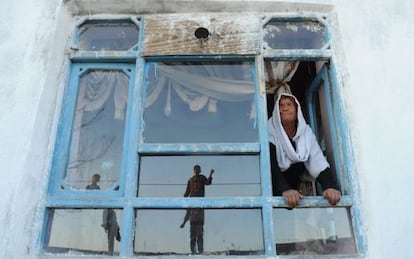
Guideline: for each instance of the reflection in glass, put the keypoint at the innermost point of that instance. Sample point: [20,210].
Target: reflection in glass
[98,130]
[108,36]
[225,232]
[83,231]
[313,231]
[167,176]
[294,35]
[199,102]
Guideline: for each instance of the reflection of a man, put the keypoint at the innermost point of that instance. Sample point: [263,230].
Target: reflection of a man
[110,224]
[94,183]
[196,188]
[196,184]
[196,217]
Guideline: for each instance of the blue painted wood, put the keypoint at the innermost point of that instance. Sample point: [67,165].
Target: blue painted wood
[76,202]
[200,148]
[108,56]
[127,232]
[298,55]
[310,103]
[193,202]
[332,126]
[313,201]
[41,241]
[198,58]
[322,77]
[350,172]
[61,151]
[261,108]
[130,176]
[266,179]
[268,230]
[128,159]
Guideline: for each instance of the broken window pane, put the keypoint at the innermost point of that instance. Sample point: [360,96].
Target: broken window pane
[83,231]
[167,176]
[313,231]
[200,102]
[294,35]
[108,36]
[98,130]
[214,232]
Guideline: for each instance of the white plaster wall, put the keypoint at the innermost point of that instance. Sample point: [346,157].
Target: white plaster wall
[31,68]
[377,40]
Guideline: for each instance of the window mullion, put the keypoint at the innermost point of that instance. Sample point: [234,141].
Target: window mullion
[129,177]
[268,230]
[262,124]
[128,229]
[130,160]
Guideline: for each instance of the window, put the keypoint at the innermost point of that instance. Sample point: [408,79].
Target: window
[145,105]
[203,102]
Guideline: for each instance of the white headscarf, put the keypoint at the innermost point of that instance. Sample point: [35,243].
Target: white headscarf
[307,147]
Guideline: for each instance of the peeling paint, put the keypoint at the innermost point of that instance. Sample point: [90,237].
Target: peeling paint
[173,34]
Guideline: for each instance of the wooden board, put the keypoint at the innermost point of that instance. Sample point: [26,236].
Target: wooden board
[174,34]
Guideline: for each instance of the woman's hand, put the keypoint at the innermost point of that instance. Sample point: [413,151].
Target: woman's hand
[292,197]
[332,195]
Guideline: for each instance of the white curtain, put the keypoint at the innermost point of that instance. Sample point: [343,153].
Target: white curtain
[199,90]
[202,86]
[93,140]
[95,89]
[278,75]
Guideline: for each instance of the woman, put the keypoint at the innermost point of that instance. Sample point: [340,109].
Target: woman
[293,147]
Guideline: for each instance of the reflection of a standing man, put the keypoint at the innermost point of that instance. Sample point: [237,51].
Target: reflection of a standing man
[109,222]
[196,188]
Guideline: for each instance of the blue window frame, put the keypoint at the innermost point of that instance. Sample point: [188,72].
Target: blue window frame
[152,119]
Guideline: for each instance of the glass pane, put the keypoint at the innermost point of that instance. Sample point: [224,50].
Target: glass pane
[108,36]
[200,102]
[83,231]
[167,176]
[208,231]
[313,231]
[98,130]
[294,35]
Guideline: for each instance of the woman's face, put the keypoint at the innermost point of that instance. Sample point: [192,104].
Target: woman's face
[287,109]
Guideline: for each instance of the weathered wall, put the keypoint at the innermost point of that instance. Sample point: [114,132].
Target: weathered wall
[377,41]
[33,40]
